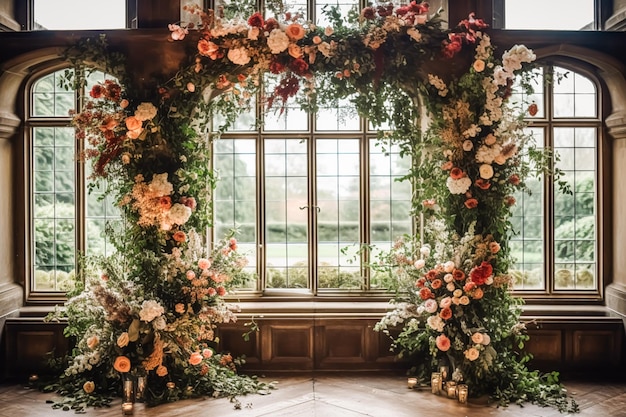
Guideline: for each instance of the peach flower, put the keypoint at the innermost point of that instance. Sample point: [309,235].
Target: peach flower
[295,31]
[121,364]
[195,359]
[443,343]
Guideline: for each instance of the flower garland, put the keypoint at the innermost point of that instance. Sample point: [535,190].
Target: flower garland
[154,306]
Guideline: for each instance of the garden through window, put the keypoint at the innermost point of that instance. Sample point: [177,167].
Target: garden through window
[556,245]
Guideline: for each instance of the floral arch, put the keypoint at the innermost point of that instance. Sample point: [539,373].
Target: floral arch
[151,310]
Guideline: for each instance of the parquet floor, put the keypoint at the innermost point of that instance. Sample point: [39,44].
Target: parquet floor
[333,395]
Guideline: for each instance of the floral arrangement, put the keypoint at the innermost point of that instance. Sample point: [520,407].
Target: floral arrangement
[153,308]
[454,307]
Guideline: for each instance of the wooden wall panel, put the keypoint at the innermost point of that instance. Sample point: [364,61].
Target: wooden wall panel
[287,345]
[545,345]
[595,347]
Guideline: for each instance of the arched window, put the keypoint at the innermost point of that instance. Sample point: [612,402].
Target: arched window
[557,241]
[65,219]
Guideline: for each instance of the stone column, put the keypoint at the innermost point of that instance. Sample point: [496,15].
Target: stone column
[616,291]
[11,289]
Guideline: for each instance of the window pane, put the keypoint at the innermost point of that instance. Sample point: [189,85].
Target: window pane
[286,225]
[390,202]
[574,95]
[50,100]
[540,14]
[527,243]
[54,208]
[235,197]
[338,199]
[79,14]
[575,214]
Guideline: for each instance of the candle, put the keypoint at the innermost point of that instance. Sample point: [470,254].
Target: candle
[141,387]
[128,390]
[451,389]
[444,370]
[411,383]
[462,393]
[127,408]
[435,382]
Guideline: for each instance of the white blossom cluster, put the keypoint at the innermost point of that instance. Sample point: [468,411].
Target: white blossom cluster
[458,186]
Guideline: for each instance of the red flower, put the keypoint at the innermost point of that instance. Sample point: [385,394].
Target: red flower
[446,313]
[426,293]
[471,203]
[420,8]
[483,184]
[514,179]
[271,24]
[456,173]
[430,275]
[96,91]
[458,275]
[256,20]
[436,284]
[276,67]
[509,200]
[368,13]
[480,273]
[420,282]
[533,109]
[299,66]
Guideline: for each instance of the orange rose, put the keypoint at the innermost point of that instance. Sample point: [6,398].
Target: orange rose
[195,358]
[122,364]
[295,31]
[161,370]
[132,123]
[179,236]
[436,284]
[456,173]
[471,203]
[477,294]
[445,313]
[89,387]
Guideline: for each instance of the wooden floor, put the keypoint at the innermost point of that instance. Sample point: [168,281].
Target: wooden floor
[332,395]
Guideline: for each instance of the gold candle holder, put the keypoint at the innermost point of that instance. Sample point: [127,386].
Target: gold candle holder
[435,382]
[411,383]
[127,408]
[140,388]
[444,370]
[128,390]
[451,389]
[462,393]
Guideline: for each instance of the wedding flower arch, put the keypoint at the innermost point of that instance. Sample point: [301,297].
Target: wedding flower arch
[152,308]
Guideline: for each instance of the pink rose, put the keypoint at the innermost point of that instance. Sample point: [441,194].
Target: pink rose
[443,343]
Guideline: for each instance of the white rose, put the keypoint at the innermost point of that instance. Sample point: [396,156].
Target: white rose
[150,310]
[278,41]
[430,305]
[435,323]
[179,214]
[448,278]
[486,339]
[468,145]
[419,264]
[448,266]
[450,286]
[425,251]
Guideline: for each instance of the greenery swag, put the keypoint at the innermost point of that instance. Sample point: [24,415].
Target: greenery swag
[152,308]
